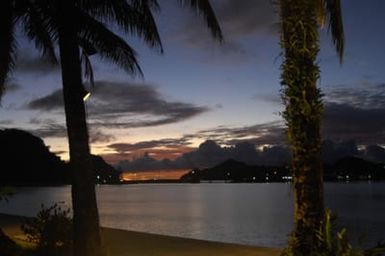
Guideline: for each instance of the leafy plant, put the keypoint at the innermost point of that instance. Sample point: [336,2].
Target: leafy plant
[50,230]
[331,242]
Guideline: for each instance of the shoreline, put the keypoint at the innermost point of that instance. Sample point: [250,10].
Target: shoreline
[122,242]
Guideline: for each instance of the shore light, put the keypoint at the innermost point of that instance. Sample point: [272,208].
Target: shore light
[86,94]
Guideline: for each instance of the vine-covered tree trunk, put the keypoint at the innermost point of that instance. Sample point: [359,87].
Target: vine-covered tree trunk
[87,241]
[303,111]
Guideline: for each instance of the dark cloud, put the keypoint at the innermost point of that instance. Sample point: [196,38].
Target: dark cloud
[115,100]
[208,154]
[49,130]
[6,122]
[351,113]
[237,143]
[124,105]
[146,145]
[343,121]
[355,113]
[51,102]
[260,134]
[97,136]
[367,96]
[38,121]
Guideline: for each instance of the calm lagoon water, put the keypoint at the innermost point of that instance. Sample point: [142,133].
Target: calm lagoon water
[256,214]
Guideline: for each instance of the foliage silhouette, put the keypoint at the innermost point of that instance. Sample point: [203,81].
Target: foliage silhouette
[333,242]
[50,230]
[37,165]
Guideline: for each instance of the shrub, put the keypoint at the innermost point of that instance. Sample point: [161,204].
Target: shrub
[50,230]
[332,242]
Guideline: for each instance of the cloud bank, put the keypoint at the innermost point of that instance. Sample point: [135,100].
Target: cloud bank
[125,105]
[209,153]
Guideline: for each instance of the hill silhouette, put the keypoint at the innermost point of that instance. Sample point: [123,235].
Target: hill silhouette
[354,168]
[236,171]
[104,172]
[26,160]
[344,169]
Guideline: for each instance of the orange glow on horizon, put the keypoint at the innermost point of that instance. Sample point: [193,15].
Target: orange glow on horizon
[174,174]
[157,154]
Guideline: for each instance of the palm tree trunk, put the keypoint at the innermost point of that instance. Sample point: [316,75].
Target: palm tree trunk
[87,240]
[303,116]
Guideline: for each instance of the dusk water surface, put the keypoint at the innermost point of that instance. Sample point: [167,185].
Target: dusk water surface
[255,214]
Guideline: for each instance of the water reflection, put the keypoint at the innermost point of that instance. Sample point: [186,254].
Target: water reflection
[259,214]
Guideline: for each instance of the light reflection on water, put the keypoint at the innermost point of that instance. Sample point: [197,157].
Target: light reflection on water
[258,214]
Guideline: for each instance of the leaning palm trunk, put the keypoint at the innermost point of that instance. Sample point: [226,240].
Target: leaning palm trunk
[300,43]
[87,240]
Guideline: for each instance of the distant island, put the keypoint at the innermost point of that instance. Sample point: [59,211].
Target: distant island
[344,169]
[26,160]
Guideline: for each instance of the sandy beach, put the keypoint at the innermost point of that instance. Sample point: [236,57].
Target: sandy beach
[122,243]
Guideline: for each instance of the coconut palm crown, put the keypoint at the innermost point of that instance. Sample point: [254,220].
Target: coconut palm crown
[77,28]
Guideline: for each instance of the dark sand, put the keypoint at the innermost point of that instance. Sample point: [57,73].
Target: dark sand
[122,243]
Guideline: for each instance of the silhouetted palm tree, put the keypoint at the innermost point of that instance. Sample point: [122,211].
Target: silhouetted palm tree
[301,20]
[87,239]
[75,26]
[72,25]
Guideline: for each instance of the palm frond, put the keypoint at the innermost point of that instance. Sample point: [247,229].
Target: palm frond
[38,28]
[153,4]
[143,21]
[7,42]
[334,18]
[107,44]
[87,47]
[203,7]
[133,16]
[88,70]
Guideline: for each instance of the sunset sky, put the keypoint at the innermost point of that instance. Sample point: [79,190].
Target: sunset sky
[199,90]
